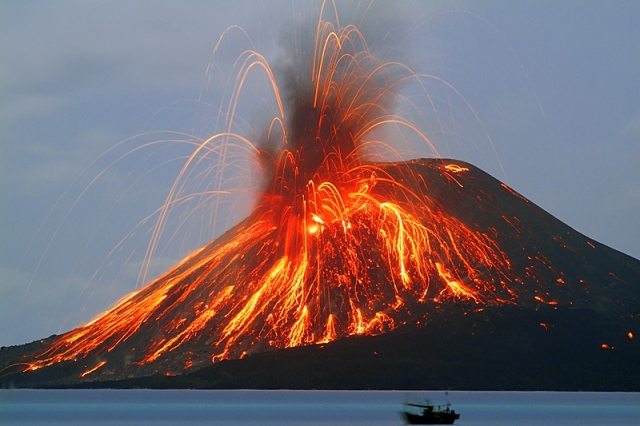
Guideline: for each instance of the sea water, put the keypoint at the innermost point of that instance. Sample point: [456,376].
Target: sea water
[237,407]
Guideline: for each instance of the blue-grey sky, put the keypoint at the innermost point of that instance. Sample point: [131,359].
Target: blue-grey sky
[541,94]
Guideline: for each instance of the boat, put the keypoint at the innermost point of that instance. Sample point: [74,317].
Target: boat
[428,414]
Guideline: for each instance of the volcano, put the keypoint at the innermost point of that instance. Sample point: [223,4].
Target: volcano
[548,267]
[342,243]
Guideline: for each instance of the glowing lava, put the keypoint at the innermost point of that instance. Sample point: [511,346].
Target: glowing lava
[338,244]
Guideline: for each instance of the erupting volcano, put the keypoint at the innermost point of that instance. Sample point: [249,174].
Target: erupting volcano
[340,243]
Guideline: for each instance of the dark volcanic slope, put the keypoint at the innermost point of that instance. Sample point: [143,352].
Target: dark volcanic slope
[496,348]
[591,291]
[549,260]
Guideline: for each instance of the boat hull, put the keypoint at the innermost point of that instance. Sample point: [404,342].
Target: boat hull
[429,418]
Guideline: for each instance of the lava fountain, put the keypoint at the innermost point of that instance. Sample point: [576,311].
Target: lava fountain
[339,244]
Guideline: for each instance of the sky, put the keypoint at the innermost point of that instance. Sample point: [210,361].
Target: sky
[99,100]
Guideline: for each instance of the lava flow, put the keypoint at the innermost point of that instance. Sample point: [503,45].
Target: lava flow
[339,244]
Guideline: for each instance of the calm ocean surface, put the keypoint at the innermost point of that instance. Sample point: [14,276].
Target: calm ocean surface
[147,407]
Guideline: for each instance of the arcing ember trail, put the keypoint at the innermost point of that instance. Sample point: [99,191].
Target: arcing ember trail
[339,244]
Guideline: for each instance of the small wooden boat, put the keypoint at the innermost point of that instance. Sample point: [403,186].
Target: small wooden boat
[428,414]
